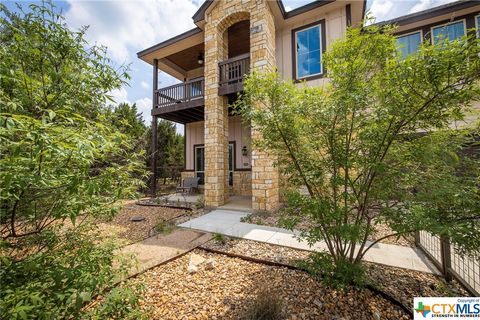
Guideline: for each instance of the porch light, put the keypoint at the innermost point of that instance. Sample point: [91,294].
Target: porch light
[200,58]
[244,151]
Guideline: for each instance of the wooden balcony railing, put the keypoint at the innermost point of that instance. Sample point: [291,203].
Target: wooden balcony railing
[185,95]
[232,72]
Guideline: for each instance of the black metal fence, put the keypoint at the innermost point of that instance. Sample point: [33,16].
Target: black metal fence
[445,255]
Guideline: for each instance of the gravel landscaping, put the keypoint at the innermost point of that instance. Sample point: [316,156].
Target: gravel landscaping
[153,221]
[258,250]
[227,288]
[402,284]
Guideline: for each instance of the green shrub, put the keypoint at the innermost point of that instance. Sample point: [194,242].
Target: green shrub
[247,219]
[58,282]
[121,302]
[165,227]
[266,305]
[219,238]
[200,203]
[339,274]
[63,166]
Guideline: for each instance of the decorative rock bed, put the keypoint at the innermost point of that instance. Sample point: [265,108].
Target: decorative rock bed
[229,288]
[401,284]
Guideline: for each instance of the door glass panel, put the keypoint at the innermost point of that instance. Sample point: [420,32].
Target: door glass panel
[231,155]
[200,164]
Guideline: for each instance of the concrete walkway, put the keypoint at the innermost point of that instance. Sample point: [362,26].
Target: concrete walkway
[228,223]
[238,203]
[160,248]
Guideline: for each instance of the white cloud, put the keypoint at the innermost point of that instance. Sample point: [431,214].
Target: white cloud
[426,4]
[381,8]
[119,95]
[130,24]
[144,85]
[144,106]
[388,9]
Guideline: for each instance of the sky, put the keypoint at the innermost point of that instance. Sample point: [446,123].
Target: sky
[129,26]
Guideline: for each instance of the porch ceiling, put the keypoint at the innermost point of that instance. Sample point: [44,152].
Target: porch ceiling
[187,59]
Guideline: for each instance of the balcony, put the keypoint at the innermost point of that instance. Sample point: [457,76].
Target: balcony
[232,72]
[187,97]
[184,102]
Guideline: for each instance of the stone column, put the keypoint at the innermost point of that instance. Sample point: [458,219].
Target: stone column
[216,120]
[265,177]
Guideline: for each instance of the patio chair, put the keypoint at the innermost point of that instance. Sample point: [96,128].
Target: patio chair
[188,184]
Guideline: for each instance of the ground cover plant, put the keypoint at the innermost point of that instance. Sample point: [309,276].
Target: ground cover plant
[375,144]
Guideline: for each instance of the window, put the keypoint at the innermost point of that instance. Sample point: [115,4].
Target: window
[200,163]
[450,31]
[409,43]
[308,44]
[477,24]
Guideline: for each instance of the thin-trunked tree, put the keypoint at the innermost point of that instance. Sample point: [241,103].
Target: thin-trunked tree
[375,143]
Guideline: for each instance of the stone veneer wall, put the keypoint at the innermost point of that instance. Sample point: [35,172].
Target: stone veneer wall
[242,183]
[265,190]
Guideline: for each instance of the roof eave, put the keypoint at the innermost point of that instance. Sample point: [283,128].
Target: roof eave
[429,13]
[168,42]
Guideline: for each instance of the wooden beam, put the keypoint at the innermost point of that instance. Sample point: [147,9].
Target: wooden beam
[178,107]
[154,131]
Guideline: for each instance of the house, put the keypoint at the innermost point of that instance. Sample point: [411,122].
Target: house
[231,38]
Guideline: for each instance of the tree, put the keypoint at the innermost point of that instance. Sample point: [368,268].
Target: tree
[375,145]
[62,166]
[170,150]
[127,120]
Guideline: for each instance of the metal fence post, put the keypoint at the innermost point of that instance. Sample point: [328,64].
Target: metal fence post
[446,257]
[417,238]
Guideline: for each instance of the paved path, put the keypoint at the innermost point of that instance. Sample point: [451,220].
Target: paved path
[228,223]
[158,249]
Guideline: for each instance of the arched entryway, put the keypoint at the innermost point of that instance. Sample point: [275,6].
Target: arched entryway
[230,39]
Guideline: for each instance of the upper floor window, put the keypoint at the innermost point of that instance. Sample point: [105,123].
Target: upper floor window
[409,43]
[450,31]
[308,44]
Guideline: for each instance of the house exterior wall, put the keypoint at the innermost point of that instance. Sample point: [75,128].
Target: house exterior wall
[239,132]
